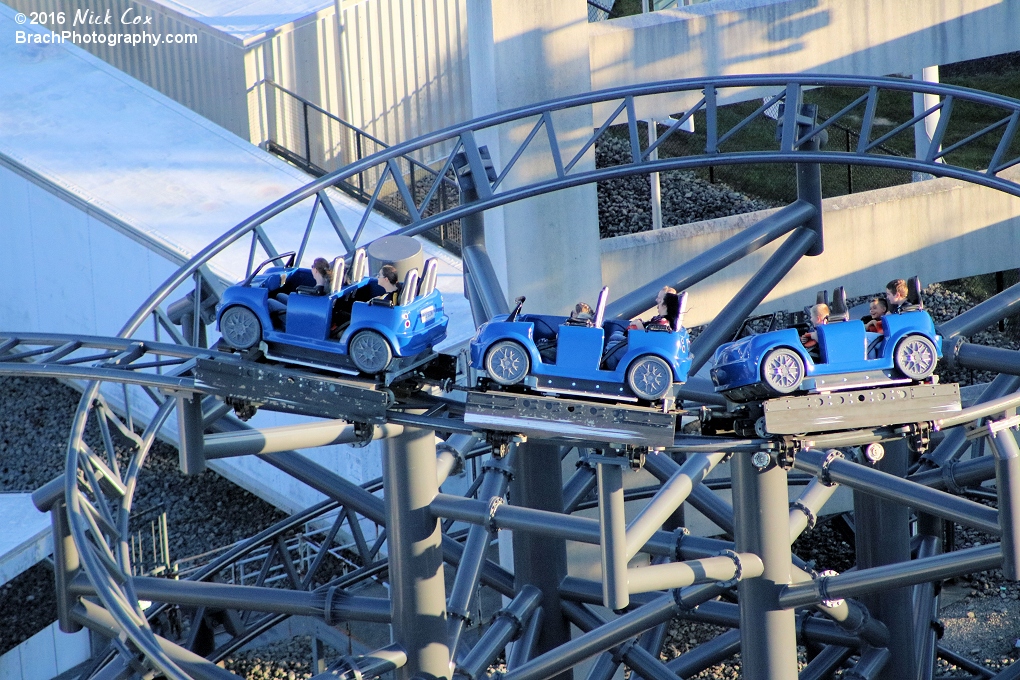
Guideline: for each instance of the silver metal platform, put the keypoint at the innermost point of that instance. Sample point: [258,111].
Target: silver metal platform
[861,408]
[568,419]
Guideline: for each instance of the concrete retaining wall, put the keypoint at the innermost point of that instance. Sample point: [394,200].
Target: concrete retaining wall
[939,229]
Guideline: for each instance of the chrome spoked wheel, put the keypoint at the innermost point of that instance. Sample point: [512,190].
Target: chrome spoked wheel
[650,378]
[507,363]
[782,370]
[916,357]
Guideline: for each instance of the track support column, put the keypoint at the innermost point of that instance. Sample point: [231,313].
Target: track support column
[883,537]
[541,561]
[761,511]
[416,557]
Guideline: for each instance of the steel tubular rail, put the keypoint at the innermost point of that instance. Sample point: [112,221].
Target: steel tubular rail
[999,306]
[721,329]
[990,408]
[715,259]
[333,604]
[956,443]
[983,358]
[889,487]
[849,584]
[194,666]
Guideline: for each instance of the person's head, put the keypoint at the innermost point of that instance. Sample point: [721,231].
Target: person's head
[670,308]
[819,314]
[896,292]
[878,308]
[321,271]
[388,277]
[583,311]
[662,293]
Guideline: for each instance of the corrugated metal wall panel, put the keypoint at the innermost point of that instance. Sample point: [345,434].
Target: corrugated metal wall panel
[406,63]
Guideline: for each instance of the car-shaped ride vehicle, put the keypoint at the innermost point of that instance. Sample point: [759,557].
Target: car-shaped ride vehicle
[777,363]
[346,328]
[590,357]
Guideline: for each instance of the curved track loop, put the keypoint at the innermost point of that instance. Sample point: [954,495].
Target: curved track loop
[98,492]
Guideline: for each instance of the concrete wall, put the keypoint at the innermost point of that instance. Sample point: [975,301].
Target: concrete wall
[862,37]
[939,229]
[46,654]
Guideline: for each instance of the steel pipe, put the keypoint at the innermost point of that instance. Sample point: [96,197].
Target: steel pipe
[983,358]
[465,583]
[602,638]
[805,510]
[366,667]
[507,625]
[892,488]
[999,306]
[669,497]
[735,566]
[1007,485]
[333,604]
[871,663]
[640,660]
[289,437]
[578,487]
[718,511]
[706,655]
[714,259]
[826,663]
[541,522]
[887,577]
[750,296]
[612,536]
[957,475]
[524,647]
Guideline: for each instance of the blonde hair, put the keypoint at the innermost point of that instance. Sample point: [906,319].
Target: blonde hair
[322,266]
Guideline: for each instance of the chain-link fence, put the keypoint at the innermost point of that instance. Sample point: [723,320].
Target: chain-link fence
[319,142]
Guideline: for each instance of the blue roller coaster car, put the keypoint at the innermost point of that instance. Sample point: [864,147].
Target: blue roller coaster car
[346,328]
[564,355]
[777,363]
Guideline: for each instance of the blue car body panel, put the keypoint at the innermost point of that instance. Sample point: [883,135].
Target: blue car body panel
[579,350]
[410,329]
[844,347]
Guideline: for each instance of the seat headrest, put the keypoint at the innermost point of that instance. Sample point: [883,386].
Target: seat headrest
[838,309]
[914,292]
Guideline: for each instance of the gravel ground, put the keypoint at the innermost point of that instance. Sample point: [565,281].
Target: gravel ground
[35,417]
[624,204]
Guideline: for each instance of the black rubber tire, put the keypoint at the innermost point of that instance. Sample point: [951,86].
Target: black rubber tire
[507,363]
[650,377]
[782,370]
[915,357]
[370,352]
[240,328]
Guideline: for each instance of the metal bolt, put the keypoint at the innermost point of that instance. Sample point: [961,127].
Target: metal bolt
[761,460]
[874,452]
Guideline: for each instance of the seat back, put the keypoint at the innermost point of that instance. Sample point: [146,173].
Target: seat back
[822,298]
[914,302]
[359,265]
[337,280]
[838,310]
[428,279]
[274,282]
[679,321]
[410,289]
[600,307]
